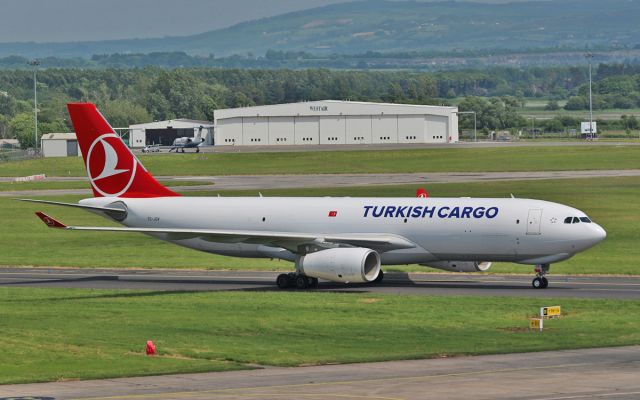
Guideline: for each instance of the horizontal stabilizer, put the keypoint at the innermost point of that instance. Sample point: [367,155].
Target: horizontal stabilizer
[114,212]
[50,221]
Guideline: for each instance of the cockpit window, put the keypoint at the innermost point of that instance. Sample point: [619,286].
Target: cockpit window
[585,219]
[568,220]
[576,220]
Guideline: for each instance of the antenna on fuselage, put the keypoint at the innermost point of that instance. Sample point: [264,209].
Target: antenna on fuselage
[512,196]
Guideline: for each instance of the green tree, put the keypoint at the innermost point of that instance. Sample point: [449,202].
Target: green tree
[552,105]
[22,128]
[122,113]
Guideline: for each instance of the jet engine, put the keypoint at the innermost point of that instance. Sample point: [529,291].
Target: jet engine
[342,264]
[460,266]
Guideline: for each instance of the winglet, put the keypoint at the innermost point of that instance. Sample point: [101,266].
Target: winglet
[49,221]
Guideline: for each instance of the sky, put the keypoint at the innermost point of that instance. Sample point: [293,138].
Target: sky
[82,20]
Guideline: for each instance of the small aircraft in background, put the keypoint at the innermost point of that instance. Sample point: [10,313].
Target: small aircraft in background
[186,143]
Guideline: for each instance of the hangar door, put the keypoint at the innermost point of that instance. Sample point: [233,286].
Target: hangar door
[281,130]
[358,129]
[411,128]
[229,132]
[165,137]
[307,130]
[255,131]
[384,129]
[332,130]
[436,129]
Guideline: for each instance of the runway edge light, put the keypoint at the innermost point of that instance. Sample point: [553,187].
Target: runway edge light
[151,348]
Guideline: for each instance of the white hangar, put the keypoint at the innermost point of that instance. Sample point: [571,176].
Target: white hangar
[59,145]
[335,122]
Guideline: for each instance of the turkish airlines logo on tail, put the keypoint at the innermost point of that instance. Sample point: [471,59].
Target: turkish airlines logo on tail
[110,165]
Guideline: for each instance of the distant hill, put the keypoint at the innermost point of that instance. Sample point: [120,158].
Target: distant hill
[393,26]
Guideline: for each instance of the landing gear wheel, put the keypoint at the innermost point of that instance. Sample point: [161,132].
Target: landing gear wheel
[537,283]
[302,282]
[283,281]
[198,150]
[540,282]
[380,277]
[313,283]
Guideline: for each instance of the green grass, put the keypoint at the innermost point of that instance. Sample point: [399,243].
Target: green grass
[608,114]
[374,161]
[53,185]
[612,202]
[62,334]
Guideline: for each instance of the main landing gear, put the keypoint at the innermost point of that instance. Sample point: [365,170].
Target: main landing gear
[540,282]
[297,281]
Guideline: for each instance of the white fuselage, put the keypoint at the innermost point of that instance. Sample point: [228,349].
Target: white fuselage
[461,229]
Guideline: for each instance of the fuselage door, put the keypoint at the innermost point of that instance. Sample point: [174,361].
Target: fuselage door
[533,221]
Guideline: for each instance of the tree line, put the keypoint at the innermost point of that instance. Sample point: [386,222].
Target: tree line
[128,96]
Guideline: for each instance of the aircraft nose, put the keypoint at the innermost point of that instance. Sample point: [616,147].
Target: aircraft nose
[598,233]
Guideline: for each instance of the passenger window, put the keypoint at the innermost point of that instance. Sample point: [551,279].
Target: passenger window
[568,220]
[576,220]
[585,219]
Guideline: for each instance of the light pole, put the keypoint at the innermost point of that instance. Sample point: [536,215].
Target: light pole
[475,135]
[34,63]
[589,56]
[533,127]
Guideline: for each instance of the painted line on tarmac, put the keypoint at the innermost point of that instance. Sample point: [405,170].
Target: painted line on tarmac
[588,396]
[350,382]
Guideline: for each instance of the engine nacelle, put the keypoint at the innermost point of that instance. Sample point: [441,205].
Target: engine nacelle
[342,264]
[460,266]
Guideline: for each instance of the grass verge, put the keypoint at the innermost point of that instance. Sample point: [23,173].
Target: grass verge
[612,202]
[64,334]
[547,158]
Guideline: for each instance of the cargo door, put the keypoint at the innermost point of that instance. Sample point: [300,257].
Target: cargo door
[533,221]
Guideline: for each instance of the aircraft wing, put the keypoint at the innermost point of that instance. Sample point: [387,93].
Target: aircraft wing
[293,241]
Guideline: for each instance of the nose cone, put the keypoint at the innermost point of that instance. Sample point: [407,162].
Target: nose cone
[598,233]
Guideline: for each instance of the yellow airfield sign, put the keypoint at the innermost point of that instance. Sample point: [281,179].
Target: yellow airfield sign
[536,323]
[548,312]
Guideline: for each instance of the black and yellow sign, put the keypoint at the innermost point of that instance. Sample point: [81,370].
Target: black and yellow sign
[547,312]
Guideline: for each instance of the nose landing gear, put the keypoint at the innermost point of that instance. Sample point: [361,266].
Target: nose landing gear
[540,282]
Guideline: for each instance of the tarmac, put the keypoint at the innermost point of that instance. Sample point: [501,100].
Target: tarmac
[395,283]
[605,373]
[260,182]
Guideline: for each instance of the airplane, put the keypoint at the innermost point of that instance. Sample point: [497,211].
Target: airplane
[181,143]
[335,239]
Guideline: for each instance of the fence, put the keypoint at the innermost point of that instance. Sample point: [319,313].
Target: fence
[17,155]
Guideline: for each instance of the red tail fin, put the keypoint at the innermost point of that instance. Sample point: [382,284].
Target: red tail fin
[112,168]
[421,193]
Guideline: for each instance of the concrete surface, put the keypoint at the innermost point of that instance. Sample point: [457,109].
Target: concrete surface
[260,182]
[611,373]
[624,287]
